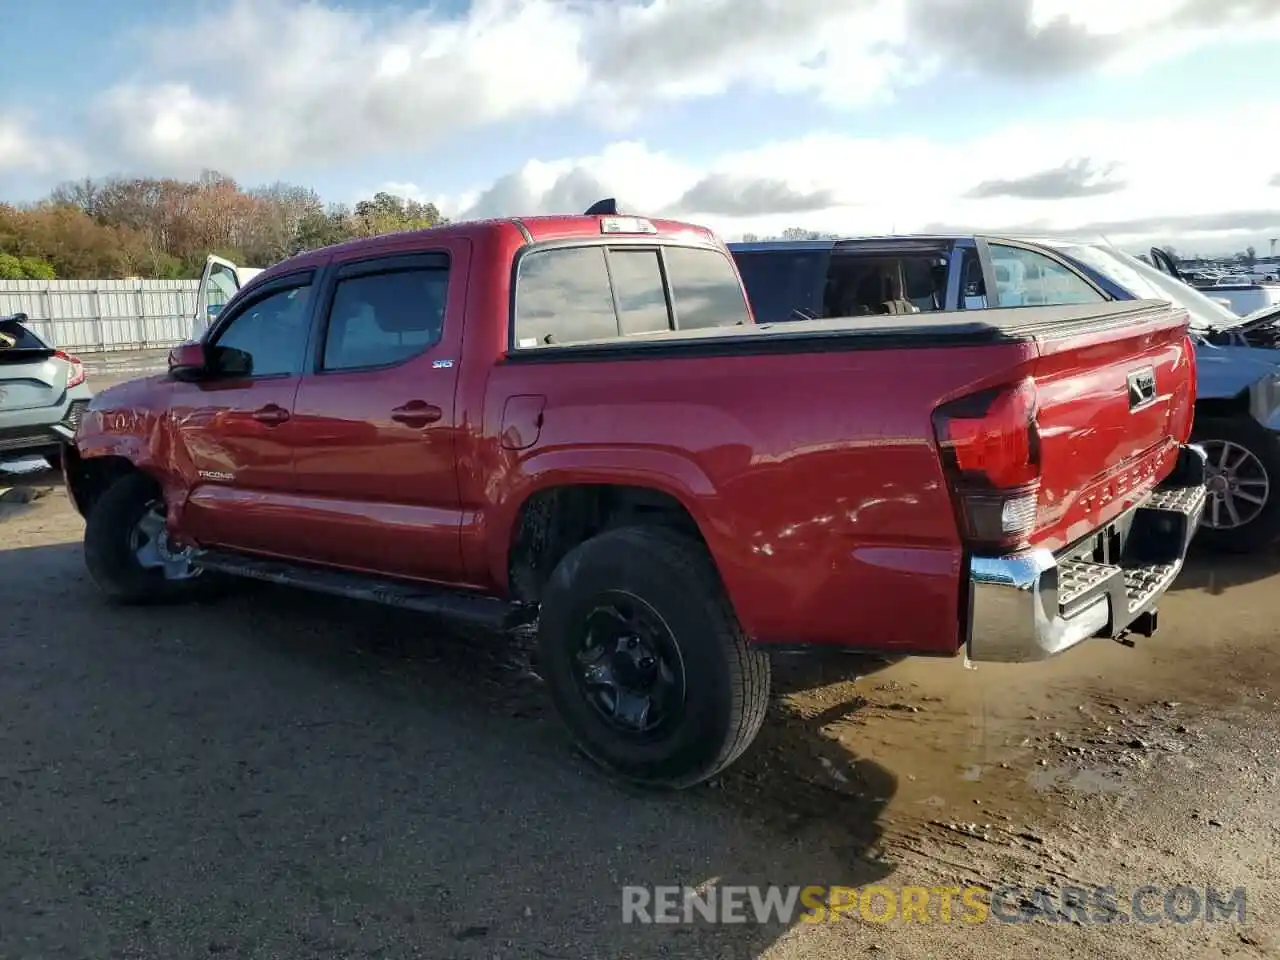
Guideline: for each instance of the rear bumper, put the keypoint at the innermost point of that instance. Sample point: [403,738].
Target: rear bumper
[42,434]
[1031,606]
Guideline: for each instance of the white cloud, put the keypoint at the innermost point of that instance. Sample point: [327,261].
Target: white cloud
[23,152]
[263,87]
[1160,183]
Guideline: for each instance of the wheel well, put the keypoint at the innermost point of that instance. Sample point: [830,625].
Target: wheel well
[1224,406]
[88,479]
[552,522]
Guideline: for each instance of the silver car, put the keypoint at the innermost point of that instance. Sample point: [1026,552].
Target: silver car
[43,394]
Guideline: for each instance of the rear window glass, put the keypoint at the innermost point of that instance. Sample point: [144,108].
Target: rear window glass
[575,294]
[705,289]
[563,296]
[637,284]
[15,336]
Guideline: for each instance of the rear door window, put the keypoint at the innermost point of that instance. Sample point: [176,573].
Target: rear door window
[384,318]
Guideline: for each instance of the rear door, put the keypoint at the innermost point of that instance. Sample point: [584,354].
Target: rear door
[376,469]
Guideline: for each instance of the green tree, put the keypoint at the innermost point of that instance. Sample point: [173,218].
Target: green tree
[387,213]
[34,268]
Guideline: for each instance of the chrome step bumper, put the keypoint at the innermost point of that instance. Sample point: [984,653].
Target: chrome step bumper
[1034,605]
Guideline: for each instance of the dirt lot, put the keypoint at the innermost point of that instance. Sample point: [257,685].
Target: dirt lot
[282,775]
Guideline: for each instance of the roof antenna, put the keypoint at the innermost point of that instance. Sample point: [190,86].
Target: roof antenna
[603,208]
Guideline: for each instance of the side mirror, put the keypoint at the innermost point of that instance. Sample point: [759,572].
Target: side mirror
[197,361]
[188,361]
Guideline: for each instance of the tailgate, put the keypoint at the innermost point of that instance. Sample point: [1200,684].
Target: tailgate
[1113,406]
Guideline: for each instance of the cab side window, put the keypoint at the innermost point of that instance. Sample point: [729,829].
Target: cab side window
[272,330]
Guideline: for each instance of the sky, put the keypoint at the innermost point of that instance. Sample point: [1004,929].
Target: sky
[1140,121]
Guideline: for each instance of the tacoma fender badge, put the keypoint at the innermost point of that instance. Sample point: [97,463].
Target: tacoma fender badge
[216,475]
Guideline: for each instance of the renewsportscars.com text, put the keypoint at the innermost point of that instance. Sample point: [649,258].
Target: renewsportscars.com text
[941,904]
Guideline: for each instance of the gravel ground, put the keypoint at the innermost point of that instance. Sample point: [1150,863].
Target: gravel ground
[285,775]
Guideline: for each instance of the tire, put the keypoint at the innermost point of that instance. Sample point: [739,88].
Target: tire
[1262,529]
[652,570]
[111,559]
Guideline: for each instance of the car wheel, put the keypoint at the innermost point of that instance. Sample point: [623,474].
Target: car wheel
[1243,510]
[127,549]
[645,660]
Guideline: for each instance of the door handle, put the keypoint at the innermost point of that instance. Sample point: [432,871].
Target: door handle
[271,415]
[417,413]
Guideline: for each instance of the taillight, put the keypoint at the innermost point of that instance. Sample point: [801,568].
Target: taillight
[990,448]
[76,375]
[1184,411]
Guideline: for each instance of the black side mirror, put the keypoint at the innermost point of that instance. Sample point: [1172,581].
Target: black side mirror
[194,361]
[231,362]
[188,361]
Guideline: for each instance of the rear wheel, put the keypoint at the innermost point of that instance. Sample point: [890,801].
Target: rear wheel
[645,659]
[1243,511]
[128,552]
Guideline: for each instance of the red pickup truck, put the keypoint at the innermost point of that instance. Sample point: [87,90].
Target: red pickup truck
[573,422]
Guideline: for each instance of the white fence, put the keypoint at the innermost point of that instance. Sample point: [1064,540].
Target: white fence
[104,314]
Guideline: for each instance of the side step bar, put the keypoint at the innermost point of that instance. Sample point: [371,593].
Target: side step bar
[473,609]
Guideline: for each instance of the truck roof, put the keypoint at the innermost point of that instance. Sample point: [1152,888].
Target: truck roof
[535,230]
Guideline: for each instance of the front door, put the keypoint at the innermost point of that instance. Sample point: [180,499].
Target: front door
[234,433]
[375,467]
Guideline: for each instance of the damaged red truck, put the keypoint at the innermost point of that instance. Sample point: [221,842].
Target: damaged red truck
[573,422]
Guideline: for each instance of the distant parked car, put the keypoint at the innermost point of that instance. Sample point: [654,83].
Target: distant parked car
[1238,394]
[43,394]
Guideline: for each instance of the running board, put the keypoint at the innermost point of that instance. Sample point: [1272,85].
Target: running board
[473,609]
